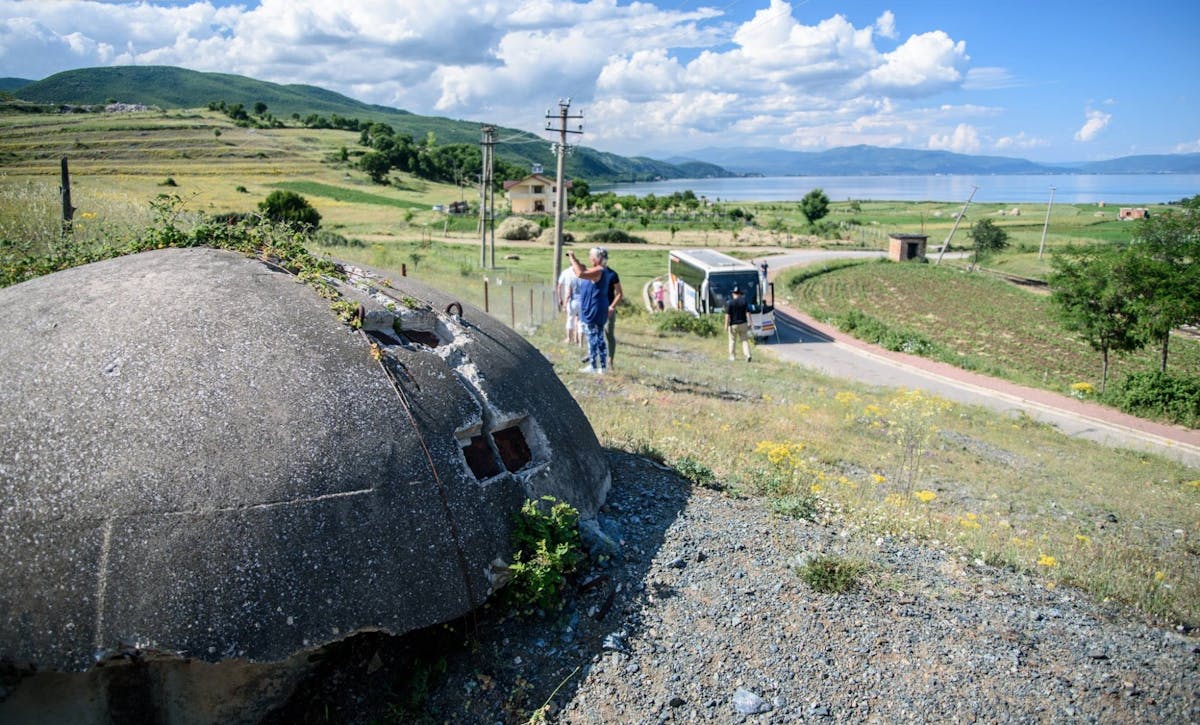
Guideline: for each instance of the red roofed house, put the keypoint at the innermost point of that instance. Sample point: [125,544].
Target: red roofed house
[535,194]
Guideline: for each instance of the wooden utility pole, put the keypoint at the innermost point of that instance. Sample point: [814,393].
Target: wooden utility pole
[68,211]
[1046,226]
[560,186]
[957,219]
[485,188]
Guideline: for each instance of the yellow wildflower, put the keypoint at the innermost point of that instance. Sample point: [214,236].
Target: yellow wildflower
[1047,560]
[1083,539]
[1159,576]
[924,496]
[878,478]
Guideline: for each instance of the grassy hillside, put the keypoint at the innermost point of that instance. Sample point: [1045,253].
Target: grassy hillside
[170,88]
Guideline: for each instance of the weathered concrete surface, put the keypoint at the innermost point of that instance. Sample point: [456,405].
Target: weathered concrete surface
[196,456]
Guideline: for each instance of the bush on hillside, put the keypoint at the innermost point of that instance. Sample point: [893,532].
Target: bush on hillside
[679,321]
[288,207]
[614,236]
[1155,394]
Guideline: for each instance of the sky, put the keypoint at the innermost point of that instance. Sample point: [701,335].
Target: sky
[1054,81]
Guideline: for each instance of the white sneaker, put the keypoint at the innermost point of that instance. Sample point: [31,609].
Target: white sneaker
[587,369]
[731,357]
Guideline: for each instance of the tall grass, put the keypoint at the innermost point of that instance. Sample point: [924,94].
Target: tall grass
[993,490]
[31,216]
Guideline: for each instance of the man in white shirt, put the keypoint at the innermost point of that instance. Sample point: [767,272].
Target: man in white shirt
[568,301]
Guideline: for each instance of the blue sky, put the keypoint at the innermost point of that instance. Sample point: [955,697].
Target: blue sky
[1047,81]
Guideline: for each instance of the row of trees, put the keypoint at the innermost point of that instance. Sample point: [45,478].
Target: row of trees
[452,164]
[1123,298]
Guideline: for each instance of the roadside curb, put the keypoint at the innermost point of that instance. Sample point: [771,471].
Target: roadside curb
[1161,434]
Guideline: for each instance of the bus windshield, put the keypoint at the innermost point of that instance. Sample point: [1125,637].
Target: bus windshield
[721,284]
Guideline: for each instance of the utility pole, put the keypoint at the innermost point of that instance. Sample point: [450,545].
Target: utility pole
[560,148]
[1042,246]
[485,186]
[961,214]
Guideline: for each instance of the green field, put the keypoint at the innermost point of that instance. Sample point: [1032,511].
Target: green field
[982,323]
[1008,492]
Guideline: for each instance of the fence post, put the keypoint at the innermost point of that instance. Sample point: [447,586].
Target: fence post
[512,306]
[68,211]
[485,295]
[530,306]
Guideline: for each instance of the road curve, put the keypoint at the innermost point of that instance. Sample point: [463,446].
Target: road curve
[805,341]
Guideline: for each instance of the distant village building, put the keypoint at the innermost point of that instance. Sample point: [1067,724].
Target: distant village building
[1129,214]
[535,194]
[903,247]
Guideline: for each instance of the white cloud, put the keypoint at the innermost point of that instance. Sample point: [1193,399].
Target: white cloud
[1020,142]
[985,79]
[964,140]
[923,65]
[885,25]
[1191,147]
[1097,121]
[654,79]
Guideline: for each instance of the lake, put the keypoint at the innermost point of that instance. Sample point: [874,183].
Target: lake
[1112,189]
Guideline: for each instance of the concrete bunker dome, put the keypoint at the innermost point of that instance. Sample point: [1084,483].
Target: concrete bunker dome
[196,456]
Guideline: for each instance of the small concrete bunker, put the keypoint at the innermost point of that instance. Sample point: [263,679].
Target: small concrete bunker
[198,457]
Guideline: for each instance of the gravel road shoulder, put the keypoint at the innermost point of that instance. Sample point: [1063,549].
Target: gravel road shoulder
[702,618]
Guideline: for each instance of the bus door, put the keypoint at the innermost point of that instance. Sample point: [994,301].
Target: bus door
[762,315]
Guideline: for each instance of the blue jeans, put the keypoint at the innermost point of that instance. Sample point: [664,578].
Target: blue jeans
[597,346]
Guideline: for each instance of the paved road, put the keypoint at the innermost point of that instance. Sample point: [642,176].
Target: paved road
[807,342]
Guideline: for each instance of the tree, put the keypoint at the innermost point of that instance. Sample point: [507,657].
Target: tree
[1164,272]
[814,206]
[260,108]
[376,165]
[578,193]
[988,238]
[288,207]
[1087,288]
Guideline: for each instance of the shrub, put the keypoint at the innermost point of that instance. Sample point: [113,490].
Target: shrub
[796,506]
[288,207]
[333,239]
[613,236]
[546,539]
[695,471]
[829,574]
[1155,394]
[679,321]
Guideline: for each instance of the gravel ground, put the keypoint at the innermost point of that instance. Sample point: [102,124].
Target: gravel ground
[701,617]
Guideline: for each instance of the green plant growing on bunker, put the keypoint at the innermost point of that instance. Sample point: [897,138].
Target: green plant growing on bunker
[546,540]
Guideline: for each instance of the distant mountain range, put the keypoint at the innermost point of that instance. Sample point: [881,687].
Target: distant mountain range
[873,160]
[173,88]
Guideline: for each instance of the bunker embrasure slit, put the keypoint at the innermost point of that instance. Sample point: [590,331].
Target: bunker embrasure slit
[480,457]
[513,448]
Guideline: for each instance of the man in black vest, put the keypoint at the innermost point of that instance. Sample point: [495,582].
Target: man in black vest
[736,322]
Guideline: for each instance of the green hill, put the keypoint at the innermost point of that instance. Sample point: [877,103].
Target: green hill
[173,88]
[8,85]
